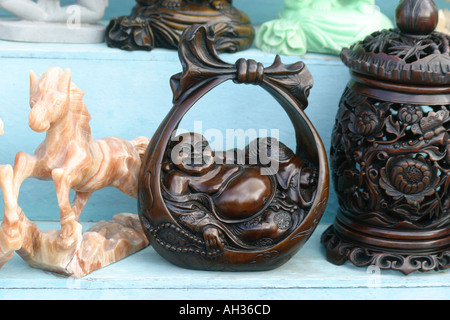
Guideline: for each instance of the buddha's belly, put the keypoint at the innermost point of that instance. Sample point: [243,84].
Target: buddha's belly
[246,195]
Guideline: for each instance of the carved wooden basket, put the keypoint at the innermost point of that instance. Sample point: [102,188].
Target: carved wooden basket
[390,153]
[232,217]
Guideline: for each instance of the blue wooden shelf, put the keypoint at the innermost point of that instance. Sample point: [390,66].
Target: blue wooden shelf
[147,276]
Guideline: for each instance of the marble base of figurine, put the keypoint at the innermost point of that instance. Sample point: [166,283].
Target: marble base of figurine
[34,31]
[102,245]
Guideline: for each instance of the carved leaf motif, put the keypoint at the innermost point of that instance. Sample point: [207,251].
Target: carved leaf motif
[199,59]
[434,153]
[378,41]
[201,64]
[295,77]
[408,50]
[393,126]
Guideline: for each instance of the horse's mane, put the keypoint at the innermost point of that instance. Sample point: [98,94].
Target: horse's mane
[78,107]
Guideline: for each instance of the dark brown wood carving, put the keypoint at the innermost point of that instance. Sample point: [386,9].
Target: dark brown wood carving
[390,154]
[160,24]
[202,211]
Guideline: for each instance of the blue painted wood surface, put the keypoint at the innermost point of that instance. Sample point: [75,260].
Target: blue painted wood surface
[145,275]
[128,94]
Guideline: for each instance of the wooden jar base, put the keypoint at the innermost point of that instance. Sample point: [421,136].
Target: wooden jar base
[387,249]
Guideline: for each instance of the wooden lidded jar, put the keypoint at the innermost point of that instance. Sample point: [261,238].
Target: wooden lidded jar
[390,155]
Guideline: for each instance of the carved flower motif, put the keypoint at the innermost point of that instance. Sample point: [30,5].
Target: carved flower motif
[366,121]
[410,114]
[409,178]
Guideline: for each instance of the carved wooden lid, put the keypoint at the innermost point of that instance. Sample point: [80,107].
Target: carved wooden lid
[412,53]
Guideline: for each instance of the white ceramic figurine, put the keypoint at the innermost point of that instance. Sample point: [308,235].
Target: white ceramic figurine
[48,21]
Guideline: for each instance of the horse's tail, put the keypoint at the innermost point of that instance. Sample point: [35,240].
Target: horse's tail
[140,144]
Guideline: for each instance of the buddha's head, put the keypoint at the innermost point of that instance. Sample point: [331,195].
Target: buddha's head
[192,154]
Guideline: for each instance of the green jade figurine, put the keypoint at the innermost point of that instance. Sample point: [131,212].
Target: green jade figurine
[320,26]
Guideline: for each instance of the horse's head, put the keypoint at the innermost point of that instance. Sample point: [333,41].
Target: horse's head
[49,98]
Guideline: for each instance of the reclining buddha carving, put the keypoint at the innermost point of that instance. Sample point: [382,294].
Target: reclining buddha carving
[243,203]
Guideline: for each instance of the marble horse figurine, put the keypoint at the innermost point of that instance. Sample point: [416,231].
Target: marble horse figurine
[73,160]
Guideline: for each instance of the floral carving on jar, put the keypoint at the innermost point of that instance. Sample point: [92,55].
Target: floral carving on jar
[410,178]
[410,114]
[366,122]
[391,158]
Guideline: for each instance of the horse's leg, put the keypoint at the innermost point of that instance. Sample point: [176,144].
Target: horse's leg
[78,204]
[71,230]
[10,237]
[11,217]
[25,166]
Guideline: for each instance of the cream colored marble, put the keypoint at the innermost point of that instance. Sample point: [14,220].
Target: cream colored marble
[10,236]
[72,159]
[10,239]
[103,244]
